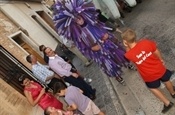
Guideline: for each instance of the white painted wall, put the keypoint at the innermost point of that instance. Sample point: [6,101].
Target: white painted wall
[21,14]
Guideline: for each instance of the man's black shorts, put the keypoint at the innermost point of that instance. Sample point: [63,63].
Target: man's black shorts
[156,83]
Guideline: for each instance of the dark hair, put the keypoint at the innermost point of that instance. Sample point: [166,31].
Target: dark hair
[44,50]
[22,78]
[58,87]
[41,47]
[46,112]
[28,58]
[98,11]
[84,24]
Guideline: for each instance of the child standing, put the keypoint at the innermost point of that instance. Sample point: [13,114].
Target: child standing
[76,100]
[150,65]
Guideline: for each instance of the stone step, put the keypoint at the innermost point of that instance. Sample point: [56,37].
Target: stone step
[127,98]
[135,97]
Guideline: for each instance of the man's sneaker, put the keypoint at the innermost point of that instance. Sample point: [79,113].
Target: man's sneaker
[131,67]
[166,108]
[89,80]
[68,84]
[120,80]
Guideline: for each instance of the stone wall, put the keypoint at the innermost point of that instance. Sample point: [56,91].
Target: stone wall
[13,102]
[7,27]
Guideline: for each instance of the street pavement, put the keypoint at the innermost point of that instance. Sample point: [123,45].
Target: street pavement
[153,19]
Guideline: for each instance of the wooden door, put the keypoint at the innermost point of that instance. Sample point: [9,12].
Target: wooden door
[20,40]
[26,47]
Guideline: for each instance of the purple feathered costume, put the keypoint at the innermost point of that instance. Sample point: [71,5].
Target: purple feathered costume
[110,57]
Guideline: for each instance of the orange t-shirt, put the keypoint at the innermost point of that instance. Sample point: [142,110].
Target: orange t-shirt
[149,65]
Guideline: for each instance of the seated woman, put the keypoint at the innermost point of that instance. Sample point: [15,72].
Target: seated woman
[36,94]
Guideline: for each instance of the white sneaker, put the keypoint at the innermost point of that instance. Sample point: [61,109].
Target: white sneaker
[68,84]
[88,80]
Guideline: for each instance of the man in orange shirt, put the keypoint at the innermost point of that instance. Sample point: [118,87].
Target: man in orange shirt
[150,65]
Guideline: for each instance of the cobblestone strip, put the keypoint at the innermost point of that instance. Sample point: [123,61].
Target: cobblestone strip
[107,99]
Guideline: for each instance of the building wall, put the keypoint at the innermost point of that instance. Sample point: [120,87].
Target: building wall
[13,102]
[14,18]
[21,14]
[7,27]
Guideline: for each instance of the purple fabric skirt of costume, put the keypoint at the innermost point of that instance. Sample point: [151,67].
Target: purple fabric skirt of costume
[110,58]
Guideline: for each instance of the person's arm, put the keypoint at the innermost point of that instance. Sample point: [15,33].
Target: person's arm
[62,71]
[30,99]
[158,54]
[75,75]
[96,47]
[57,76]
[72,107]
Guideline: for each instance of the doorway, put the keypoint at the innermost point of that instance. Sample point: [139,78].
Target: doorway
[23,41]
